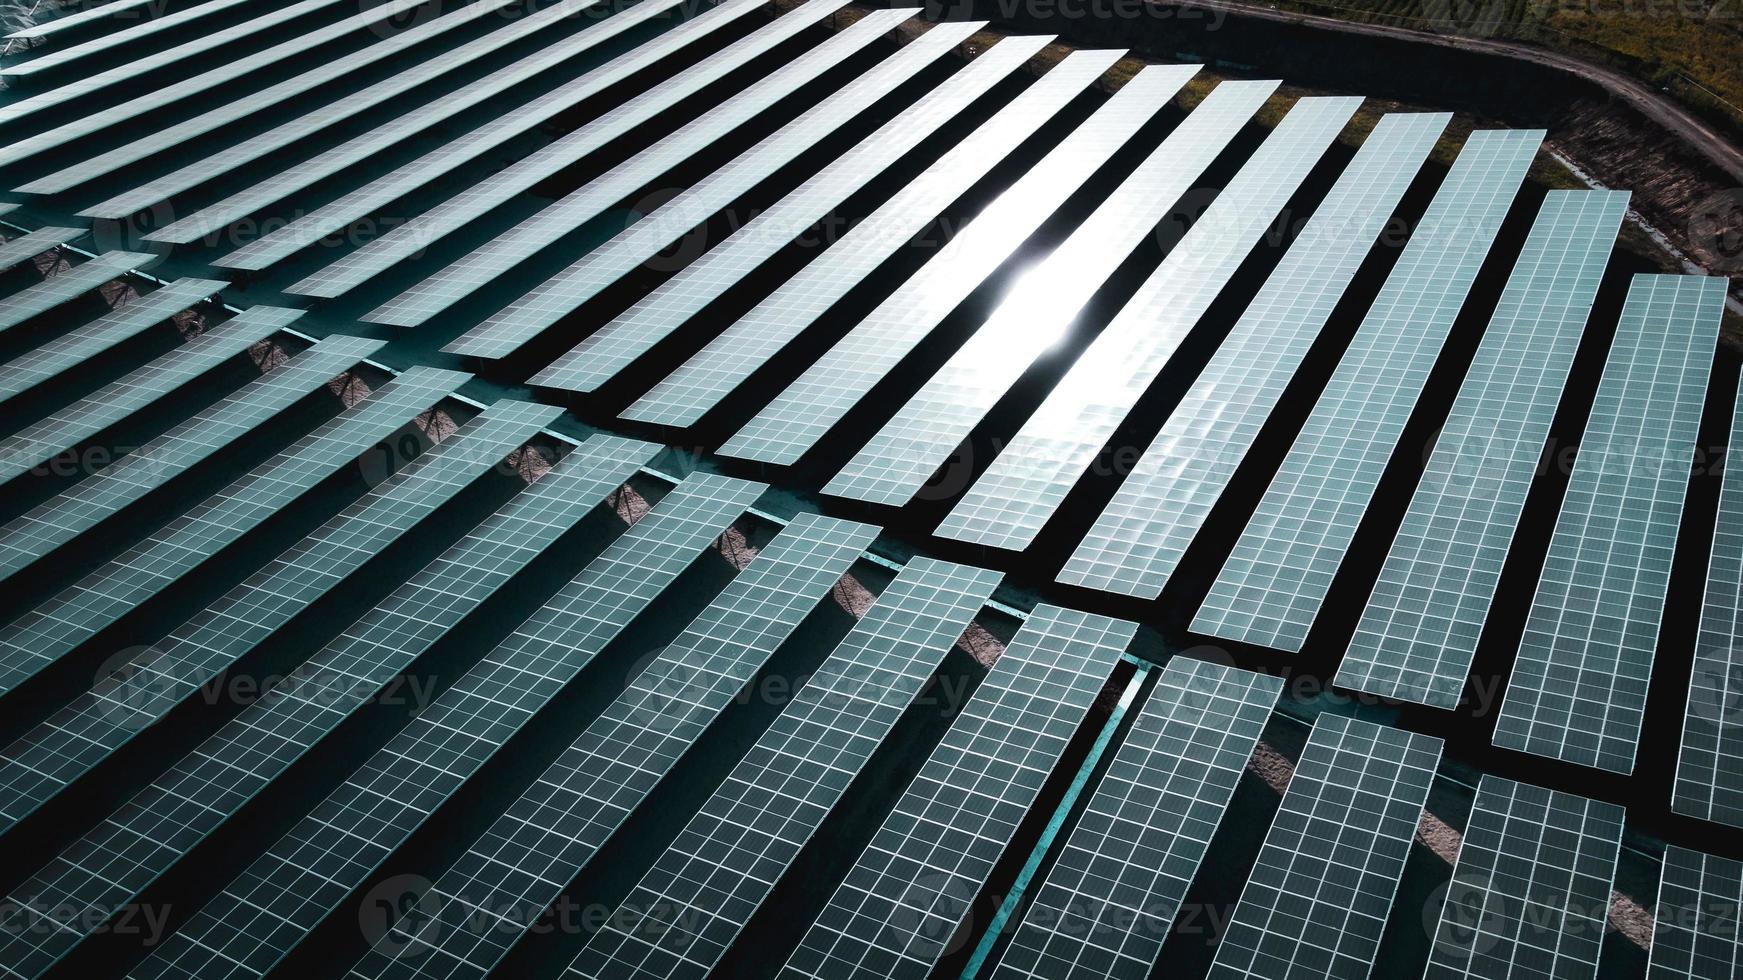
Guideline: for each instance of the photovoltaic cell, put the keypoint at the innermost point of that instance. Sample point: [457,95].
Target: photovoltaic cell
[614,345]
[132,846]
[289,889]
[106,492]
[1271,588]
[1031,475]
[33,243]
[1040,308]
[1699,900]
[66,427]
[1709,769]
[1530,895]
[1136,544]
[1109,902]
[341,212]
[1579,681]
[100,12]
[655,316]
[143,688]
[1316,902]
[680,919]
[416,235]
[227,73]
[139,146]
[1418,635]
[156,25]
[900,905]
[112,329]
[705,378]
[531,854]
[800,415]
[81,611]
[219,162]
[646,237]
[68,286]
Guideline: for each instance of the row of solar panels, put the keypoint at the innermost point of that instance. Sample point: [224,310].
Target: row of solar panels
[1315,904]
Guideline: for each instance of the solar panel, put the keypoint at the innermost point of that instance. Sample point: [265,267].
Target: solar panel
[33,243]
[87,16]
[156,25]
[689,208]
[901,904]
[1316,902]
[112,329]
[679,920]
[1041,306]
[705,378]
[1109,902]
[531,853]
[168,94]
[1272,585]
[1418,635]
[338,214]
[651,319]
[139,146]
[1031,475]
[1696,934]
[81,611]
[108,866]
[1530,894]
[799,416]
[219,162]
[68,286]
[70,425]
[1709,769]
[106,492]
[477,199]
[1136,543]
[143,688]
[290,888]
[1579,681]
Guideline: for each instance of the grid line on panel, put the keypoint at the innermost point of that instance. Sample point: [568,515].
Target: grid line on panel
[34,243]
[1270,589]
[1530,894]
[66,427]
[669,305]
[1316,902]
[1028,480]
[1040,307]
[505,331]
[206,81]
[702,889]
[482,904]
[79,88]
[681,398]
[68,286]
[104,493]
[144,145]
[112,329]
[85,49]
[1709,767]
[146,686]
[800,415]
[221,162]
[59,24]
[1578,688]
[1136,543]
[900,905]
[273,903]
[1418,633]
[1700,902]
[96,601]
[654,317]
[337,214]
[150,832]
[1109,902]
[609,188]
